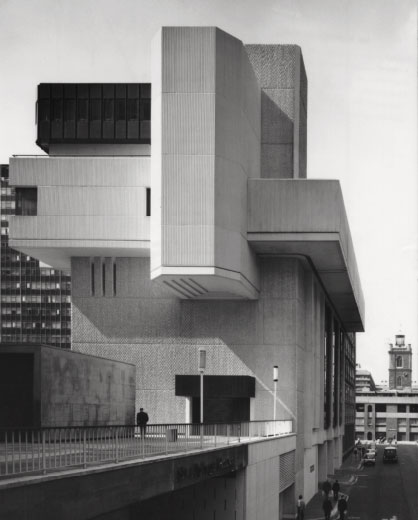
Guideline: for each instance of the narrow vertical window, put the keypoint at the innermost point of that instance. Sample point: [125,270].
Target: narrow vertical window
[148,202]
[92,278]
[104,278]
[114,278]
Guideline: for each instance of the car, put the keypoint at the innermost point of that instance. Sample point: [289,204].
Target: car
[369,458]
[371,451]
[390,454]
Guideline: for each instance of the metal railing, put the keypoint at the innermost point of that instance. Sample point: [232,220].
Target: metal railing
[51,449]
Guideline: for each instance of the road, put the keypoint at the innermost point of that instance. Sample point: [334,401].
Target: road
[387,491]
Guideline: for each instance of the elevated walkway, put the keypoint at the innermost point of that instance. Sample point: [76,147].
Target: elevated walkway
[92,474]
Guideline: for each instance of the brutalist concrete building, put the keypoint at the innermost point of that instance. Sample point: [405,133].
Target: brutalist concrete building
[204,233]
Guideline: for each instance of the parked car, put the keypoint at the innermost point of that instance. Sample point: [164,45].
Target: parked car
[390,454]
[371,451]
[370,458]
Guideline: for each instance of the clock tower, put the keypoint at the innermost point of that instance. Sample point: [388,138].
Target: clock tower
[400,364]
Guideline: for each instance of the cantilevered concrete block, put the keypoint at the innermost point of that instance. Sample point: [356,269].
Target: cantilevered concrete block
[206,144]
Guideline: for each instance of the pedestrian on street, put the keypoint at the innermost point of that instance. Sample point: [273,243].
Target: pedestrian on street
[326,488]
[141,421]
[355,453]
[327,507]
[301,508]
[336,489]
[342,507]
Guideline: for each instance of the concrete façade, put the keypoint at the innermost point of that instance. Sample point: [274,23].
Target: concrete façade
[241,254]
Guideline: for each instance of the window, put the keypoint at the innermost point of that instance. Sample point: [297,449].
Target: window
[399,362]
[370,408]
[399,381]
[380,407]
[413,408]
[82,109]
[69,110]
[148,202]
[95,109]
[108,109]
[92,279]
[103,278]
[43,110]
[146,109]
[401,408]
[120,110]
[56,109]
[114,278]
[26,201]
[133,109]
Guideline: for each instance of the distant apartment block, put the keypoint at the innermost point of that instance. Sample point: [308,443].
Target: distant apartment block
[364,381]
[35,301]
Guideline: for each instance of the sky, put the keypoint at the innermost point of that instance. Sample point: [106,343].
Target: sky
[361,62]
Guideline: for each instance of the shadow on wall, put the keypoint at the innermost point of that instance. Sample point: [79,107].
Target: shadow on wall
[161,334]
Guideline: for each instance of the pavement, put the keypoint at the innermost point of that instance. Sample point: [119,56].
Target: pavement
[346,476]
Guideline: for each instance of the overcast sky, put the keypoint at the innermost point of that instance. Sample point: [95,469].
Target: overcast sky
[361,63]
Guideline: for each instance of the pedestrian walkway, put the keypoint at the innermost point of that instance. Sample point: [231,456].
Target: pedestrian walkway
[346,476]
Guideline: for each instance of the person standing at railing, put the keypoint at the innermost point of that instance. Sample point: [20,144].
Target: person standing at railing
[141,420]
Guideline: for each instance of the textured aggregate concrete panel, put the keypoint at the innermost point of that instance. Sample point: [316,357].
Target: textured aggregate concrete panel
[161,335]
[232,321]
[277,116]
[276,161]
[84,390]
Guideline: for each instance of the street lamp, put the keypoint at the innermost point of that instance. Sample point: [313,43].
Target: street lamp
[202,367]
[275,379]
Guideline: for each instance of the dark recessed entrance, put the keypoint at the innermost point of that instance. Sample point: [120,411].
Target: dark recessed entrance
[226,398]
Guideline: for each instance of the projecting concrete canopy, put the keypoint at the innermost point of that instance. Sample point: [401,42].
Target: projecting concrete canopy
[308,218]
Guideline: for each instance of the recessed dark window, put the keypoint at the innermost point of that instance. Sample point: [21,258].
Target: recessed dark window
[43,110]
[69,110]
[26,201]
[103,278]
[148,202]
[108,109]
[95,109]
[380,408]
[120,110]
[146,108]
[56,109]
[82,109]
[92,279]
[133,109]
[401,408]
[95,113]
[114,278]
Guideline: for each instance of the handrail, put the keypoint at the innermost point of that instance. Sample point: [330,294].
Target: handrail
[31,451]
[36,156]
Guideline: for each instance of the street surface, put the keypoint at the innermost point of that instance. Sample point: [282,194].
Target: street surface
[386,491]
[381,492]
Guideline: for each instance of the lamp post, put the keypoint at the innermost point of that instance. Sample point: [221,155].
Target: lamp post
[275,379]
[202,367]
